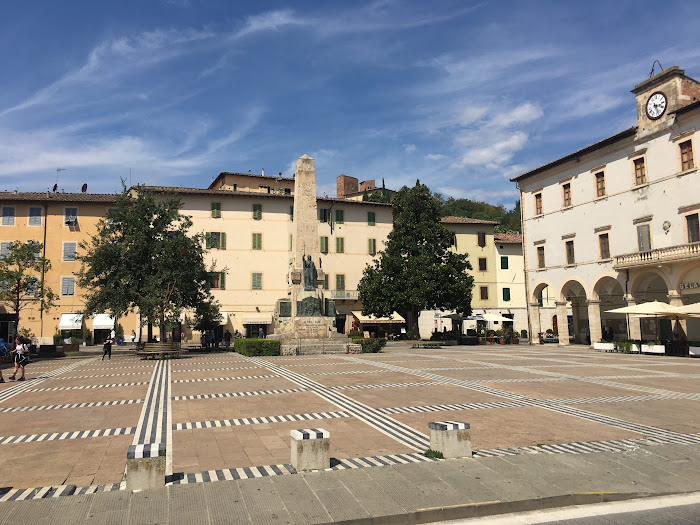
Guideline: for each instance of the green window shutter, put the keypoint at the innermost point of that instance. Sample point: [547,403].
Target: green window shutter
[291,240]
[257,281]
[372,246]
[371,218]
[257,241]
[325,282]
[340,216]
[324,244]
[207,237]
[216,210]
[222,280]
[291,213]
[222,243]
[339,245]
[506,294]
[504,263]
[257,211]
[340,282]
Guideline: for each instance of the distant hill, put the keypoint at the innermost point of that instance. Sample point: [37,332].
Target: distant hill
[509,220]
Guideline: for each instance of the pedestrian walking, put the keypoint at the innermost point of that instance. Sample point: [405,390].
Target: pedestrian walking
[21,350]
[227,338]
[4,351]
[133,337]
[107,349]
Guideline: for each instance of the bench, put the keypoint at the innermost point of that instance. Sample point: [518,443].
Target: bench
[426,345]
[158,350]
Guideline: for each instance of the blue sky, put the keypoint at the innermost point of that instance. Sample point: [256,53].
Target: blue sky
[462,95]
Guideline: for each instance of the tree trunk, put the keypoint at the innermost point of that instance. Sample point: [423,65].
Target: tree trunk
[162,327]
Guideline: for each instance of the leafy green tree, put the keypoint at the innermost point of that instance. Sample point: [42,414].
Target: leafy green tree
[142,258]
[509,220]
[21,272]
[417,270]
[207,315]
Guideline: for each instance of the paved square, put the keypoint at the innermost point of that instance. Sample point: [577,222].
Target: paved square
[73,419]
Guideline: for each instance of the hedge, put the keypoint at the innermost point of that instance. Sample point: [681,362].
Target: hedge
[255,347]
[371,345]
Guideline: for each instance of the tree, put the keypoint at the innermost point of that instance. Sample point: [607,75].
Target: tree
[143,258]
[21,272]
[417,270]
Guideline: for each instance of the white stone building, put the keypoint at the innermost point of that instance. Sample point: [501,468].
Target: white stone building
[616,223]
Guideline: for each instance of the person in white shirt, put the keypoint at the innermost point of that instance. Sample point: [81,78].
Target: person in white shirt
[21,352]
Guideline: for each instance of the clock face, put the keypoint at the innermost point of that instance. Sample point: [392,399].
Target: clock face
[656,105]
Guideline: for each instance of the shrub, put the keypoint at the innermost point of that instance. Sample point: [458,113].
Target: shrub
[433,454]
[257,347]
[355,333]
[370,346]
[625,346]
[523,334]
[549,331]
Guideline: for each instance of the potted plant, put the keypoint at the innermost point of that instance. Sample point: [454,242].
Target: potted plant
[628,347]
[501,337]
[490,336]
[73,346]
[653,347]
[604,346]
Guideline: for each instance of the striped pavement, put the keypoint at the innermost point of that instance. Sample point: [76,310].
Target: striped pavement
[206,379]
[26,386]
[258,420]
[90,404]
[240,394]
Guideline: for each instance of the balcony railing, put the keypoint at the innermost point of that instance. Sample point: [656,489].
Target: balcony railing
[351,295]
[682,252]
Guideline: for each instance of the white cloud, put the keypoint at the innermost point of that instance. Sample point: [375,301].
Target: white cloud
[480,194]
[434,156]
[409,148]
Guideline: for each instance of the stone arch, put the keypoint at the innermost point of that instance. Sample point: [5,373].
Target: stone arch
[573,285]
[537,290]
[574,295]
[605,283]
[608,294]
[643,279]
[652,285]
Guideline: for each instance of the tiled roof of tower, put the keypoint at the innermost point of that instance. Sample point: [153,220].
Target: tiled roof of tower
[508,238]
[58,197]
[465,220]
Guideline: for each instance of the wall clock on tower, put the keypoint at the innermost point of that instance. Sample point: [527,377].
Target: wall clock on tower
[656,105]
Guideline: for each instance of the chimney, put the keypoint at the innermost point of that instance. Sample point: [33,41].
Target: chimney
[263,172]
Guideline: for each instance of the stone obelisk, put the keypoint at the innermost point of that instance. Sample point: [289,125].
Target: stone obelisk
[305,213]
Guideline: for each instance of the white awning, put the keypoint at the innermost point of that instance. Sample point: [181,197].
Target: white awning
[370,319]
[103,322]
[261,318]
[224,318]
[71,322]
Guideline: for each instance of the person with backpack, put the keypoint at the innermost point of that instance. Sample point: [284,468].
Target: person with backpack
[21,352]
[4,350]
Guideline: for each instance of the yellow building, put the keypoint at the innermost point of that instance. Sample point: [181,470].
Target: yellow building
[60,221]
[250,242]
[497,267]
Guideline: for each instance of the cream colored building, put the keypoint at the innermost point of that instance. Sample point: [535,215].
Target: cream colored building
[60,221]
[497,267]
[616,223]
[251,243]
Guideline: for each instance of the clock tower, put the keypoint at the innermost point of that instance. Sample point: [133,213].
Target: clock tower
[660,96]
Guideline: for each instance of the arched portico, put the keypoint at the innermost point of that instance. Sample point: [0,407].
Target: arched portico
[541,305]
[576,329]
[608,294]
[649,286]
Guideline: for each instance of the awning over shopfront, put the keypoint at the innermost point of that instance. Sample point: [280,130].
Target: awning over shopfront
[71,322]
[260,318]
[224,318]
[370,319]
[103,322]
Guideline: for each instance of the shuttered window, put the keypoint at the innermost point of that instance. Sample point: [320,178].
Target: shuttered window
[69,249]
[340,216]
[339,245]
[538,204]
[687,162]
[68,286]
[257,241]
[371,218]
[340,282]
[323,214]
[644,237]
[8,215]
[70,216]
[216,210]
[481,239]
[372,246]
[324,244]
[506,294]
[325,281]
[600,184]
[640,173]
[482,264]
[291,213]
[5,248]
[566,195]
[540,256]
[257,212]
[484,290]
[570,259]
[256,281]
[216,240]
[34,217]
[504,263]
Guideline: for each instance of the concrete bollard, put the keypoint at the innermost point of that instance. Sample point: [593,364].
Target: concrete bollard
[310,449]
[145,466]
[452,438]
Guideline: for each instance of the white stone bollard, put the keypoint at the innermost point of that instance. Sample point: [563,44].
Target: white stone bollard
[145,466]
[310,449]
[452,438]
